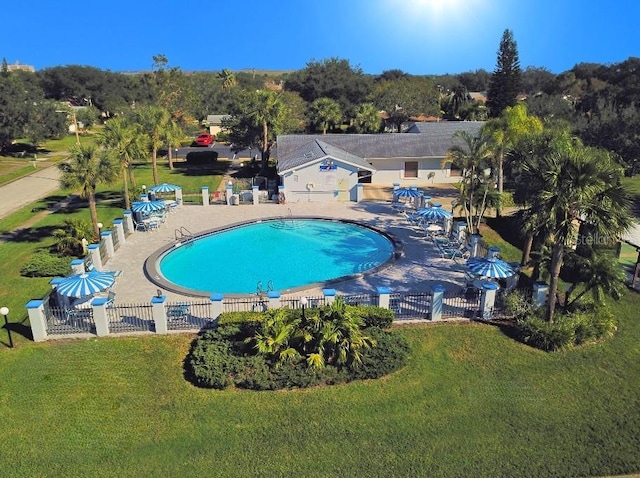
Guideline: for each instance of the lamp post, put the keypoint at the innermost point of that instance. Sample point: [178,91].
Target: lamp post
[303,303]
[5,311]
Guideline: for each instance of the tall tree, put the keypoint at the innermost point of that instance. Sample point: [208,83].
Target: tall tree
[255,119]
[325,112]
[228,79]
[578,185]
[505,132]
[367,119]
[473,156]
[88,167]
[123,138]
[507,76]
[154,122]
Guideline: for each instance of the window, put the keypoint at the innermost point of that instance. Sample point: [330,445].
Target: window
[411,169]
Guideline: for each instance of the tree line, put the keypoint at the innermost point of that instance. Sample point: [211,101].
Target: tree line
[331,95]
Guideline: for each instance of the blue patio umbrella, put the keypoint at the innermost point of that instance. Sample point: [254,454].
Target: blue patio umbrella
[88,283]
[148,206]
[164,188]
[490,267]
[433,213]
[407,193]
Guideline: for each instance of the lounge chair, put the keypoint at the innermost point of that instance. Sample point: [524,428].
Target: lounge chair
[178,311]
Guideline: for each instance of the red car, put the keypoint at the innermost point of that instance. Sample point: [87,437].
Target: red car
[204,139]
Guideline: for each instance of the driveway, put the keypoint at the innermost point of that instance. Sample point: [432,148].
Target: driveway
[28,189]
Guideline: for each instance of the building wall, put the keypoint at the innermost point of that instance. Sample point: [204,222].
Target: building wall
[391,171]
[311,184]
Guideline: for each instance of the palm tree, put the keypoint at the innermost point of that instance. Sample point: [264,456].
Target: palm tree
[325,112]
[172,135]
[154,122]
[577,185]
[87,168]
[124,139]
[228,79]
[472,156]
[367,119]
[506,131]
[266,111]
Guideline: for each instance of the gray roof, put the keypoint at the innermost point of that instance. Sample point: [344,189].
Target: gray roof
[433,142]
[313,150]
[215,119]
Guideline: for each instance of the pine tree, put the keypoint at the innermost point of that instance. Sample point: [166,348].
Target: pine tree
[505,81]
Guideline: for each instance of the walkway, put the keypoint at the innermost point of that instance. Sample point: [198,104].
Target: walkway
[28,189]
[417,269]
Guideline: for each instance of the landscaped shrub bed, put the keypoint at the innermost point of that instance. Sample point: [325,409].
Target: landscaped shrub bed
[587,324]
[287,348]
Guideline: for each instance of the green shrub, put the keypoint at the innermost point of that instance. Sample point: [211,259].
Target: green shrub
[210,363]
[375,316]
[516,304]
[544,335]
[390,354]
[247,322]
[594,325]
[43,264]
[567,330]
[506,199]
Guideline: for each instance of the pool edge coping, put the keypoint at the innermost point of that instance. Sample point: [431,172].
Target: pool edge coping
[151,268]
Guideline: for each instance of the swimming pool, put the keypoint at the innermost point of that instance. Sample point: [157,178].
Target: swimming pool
[283,253]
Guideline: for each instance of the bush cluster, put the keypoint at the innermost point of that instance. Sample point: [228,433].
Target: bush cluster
[567,330]
[227,356]
[44,264]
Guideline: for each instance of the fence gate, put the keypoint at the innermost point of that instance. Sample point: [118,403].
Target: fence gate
[410,306]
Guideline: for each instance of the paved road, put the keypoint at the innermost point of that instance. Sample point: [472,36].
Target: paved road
[28,189]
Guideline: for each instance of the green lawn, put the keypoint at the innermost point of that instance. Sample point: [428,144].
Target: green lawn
[471,402]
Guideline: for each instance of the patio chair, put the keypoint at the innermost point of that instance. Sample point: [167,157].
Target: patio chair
[178,311]
[141,226]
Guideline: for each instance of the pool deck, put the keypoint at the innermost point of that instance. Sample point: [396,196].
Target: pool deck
[416,270]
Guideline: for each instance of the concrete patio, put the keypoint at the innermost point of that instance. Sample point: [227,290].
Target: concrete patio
[419,267]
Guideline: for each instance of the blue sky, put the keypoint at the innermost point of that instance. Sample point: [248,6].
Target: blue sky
[416,36]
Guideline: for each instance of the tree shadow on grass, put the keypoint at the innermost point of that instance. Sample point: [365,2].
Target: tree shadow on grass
[508,228]
[29,234]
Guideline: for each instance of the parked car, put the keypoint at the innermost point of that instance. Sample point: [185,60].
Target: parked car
[204,139]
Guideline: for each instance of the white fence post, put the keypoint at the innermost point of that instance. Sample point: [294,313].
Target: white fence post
[488,299]
[100,316]
[37,319]
[77,266]
[96,260]
[329,295]
[205,195]
[216,305]
[384,297]
[159,313]
[255,192]
[128,222]
[540,292]
[274,299]
[437,302]
[108,244]
[118,227]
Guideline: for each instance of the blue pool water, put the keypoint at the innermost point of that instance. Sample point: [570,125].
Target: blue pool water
[288,253]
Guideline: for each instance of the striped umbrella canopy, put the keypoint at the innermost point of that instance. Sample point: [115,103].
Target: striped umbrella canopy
[491,267]
[89,283]
[433,213]
[148,206]
[164,188]
[407,193]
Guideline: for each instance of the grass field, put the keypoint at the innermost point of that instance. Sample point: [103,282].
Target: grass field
[471,402]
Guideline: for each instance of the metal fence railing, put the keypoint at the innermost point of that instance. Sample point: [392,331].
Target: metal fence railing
[255,303]
[130,318]
[199,315]
[456,305]
[411,305]
[65,321]
[189,316]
